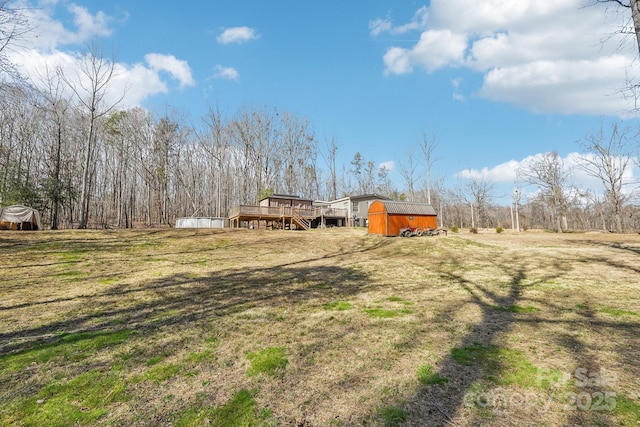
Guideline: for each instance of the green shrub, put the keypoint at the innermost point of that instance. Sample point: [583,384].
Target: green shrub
[499,230]
[453,229]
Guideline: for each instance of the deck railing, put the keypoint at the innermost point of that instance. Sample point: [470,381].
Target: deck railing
[285,211]
[330,212]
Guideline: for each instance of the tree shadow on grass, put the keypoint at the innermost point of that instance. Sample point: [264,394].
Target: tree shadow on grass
[459,399]
[195,301]
[436,406]
[633,248]
[186,298]
[593,390]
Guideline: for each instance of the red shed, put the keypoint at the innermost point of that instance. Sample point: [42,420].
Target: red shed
[387,217]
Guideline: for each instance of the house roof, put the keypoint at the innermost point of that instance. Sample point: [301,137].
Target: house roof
[286,197]
[369,196]
[408,208]
[361,197]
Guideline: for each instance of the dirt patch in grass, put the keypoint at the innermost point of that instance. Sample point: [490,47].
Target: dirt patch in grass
[346,328]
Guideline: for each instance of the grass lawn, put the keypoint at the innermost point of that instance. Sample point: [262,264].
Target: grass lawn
[318,328]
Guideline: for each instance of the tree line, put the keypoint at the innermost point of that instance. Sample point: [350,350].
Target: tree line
[69,150]
[84,166]
[87,164]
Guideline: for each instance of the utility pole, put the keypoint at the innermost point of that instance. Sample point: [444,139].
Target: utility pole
[513,227]
[516,198]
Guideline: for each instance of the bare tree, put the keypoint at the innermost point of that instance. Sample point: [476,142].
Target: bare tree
[330,159]
[216,145]
[608,158]
[358,164]
[478,195]
[163,158]
[139,126]
[91,85]
[455,208]
[13,26]
[428,146]
[56,106]
[297,154]
[384,182]
[549,174]
[255,134]
[408,171]
[370,177]
[116,158]
[634,6]
[21,153]
[122,129]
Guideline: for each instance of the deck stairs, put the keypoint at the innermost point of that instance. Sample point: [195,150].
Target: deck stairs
[299,220]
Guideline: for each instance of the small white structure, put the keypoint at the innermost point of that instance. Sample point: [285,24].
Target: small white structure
[19,217]
[202,222]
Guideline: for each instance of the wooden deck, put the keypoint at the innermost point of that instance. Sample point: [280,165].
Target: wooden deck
[282,216]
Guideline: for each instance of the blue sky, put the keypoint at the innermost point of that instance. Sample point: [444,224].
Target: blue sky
[495,81]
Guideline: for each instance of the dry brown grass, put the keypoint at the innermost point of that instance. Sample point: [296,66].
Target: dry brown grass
[194,303]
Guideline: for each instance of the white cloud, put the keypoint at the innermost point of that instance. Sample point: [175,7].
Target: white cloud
[436,49]
[457,84]
[586,87]
[135,82]
[226,73]
[138,83]
[178,68]
[502,173]
[507,173]
[90,25]
[397,61]
[48,49]
[380,25]
[417,22]
[49,33]
[237,35]
[552,56]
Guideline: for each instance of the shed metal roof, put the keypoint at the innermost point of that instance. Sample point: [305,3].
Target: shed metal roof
[408,208]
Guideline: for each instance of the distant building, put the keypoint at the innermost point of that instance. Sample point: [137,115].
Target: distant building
[276,211]
[280,200]
[387,218]
[202,222]
[357,207]
[294,212]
